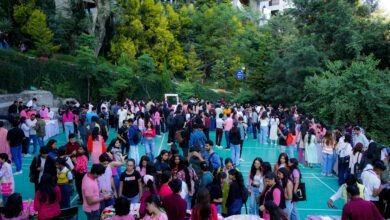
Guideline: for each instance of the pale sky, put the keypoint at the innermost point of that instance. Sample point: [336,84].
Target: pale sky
[385,5]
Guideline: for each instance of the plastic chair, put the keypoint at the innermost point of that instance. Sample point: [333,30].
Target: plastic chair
[69,213]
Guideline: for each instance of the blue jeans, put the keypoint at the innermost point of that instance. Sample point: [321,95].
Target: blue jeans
[69,129]
[227,139]
[158,130]
[65,196]
[134,199]
[254,129]
[264,134]
[41,141]
[188,200]
[149,146]
[327,161]
[235,207]
[253,207]
[288,209]
[291,149]
[134,153]
[343,170]
[94,215]
[34,138]
[16,152]
[235,154]
[116,181]
[294,212]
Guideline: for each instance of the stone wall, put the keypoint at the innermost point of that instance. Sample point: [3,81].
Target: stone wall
[44,98]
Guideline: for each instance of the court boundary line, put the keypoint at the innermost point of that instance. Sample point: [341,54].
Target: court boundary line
[74,198]
[327,186]
[162,141]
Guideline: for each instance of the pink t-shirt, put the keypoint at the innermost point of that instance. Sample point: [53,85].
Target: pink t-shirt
[228,124]
[276,195]
[126,217]
[90,188]
[161,216]
[165,190]
[69,118]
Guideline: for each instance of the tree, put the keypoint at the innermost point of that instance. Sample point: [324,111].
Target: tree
[193,72]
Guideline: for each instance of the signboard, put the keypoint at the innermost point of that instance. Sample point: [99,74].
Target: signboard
[239,74]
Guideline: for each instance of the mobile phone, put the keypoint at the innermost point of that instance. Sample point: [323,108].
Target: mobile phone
[126,156]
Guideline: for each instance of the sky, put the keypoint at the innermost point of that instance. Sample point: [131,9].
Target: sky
[385,5]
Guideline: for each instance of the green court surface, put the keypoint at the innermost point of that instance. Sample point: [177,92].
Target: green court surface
[318,188]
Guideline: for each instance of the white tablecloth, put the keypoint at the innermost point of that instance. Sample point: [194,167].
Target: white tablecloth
[52,128]
[243,217]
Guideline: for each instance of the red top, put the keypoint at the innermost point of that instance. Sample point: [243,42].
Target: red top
[150,133]
[165,190]
[175,206]
[359,209]
[195,213]
[46,210]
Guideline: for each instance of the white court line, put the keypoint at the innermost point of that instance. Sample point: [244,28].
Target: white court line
[328,210]
[162,141]
[316,177]
[74,198]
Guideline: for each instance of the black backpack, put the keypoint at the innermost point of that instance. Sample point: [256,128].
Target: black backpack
[137,136]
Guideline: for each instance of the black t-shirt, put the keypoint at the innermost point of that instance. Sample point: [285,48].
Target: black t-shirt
[15,137]
[123,132]
[215,192]
[282,141]
[130,184]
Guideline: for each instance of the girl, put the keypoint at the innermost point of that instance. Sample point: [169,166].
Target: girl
[294,131]
[234,201]
[295,177]
[274,129]
[274,192]
[216,191]
[311,148]
[174,164]
[161,162]
[203,209]
[142,165]
[64,181]
[274,211]
[115,149]
[47,199]
[7,179]
[149,135]
[282,162]
[13,209]
[80,169]
[96,145]
[344,151]
[156,120]
[68,120]
[26,140]
[327,154]
[149,189]
[188,175]
[122,210]
[301,141]
[355,160]
[264,123]
[155,212]
[235,140]
[287,185]
[255,184]
[130,183]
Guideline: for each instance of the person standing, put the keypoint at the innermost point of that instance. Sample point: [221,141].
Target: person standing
[42,164]
[264,123]
[96,145]
[68,119]
[91,193]
[283,133]
[47,199]
[15,137]
[130,183]
[41,130]
[372,183]
[149,135]
[7,179]
[242,127]
[31,123]
[327,154]
[173,204]
[255,122]
[311,148]
[4,145]
[134,139]
[219,131]
[228,124]
[123,137]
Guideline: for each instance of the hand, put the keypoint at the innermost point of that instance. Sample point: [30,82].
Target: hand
[262,208]
[330,203]
[39,168]
[107,196]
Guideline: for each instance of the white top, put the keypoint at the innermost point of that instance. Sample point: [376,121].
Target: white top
[32,124]
[184,190]
[51,115]
[43,161]
[264,122]
[371,181]
[219,123]
[344,149]
[355,158]
[26,129]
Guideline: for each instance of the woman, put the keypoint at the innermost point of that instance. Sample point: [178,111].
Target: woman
[311,148]
[68,120]
[188,176]
[301,141]
[149,189]
[264,123]
[287,186]
[161,162]
[96,145]
[203,209]
[215,190]
[255,184]
[273,192]
[292,146]
[7,179]
[274,211]
[142,165]
[80,169]
[130,185]
[47,199]
[26,140]
[122,209]
[4,145]
[174,164]
[327,154]
[282,162]
[235,140]
[344,151]
[354,162]
[156,120]
[295,177]
[149,135]
[274,130]
[155,212]
[234,200]
[13,209]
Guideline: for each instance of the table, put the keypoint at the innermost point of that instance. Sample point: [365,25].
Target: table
[109,212]
[322,217]
[52,128]
[243,217]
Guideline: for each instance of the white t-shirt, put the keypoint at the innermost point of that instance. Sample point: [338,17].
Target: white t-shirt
[370,181]
[219,123]
[31,124]
[264,122]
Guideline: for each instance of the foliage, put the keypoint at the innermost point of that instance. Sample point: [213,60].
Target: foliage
[358,93]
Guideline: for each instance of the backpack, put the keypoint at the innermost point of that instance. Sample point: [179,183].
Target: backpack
[137,136]
[211,168]
[289,139]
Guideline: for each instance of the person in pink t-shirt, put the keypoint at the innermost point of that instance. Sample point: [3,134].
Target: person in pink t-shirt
[228,124]
[165,190]
[122,209]
[90,192]
[153,205]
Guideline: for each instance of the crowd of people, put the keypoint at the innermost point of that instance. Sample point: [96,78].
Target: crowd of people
[190,179]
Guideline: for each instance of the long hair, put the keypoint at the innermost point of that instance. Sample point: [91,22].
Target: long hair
[46,188]
[143,158]
[294,166]
[159,158]
[311,133]
[274,211]
[184,167]
[95,134]
[112,144]
[253,168]
[292,128]
[266,168]
[14,206]
[203,203]
[328,138]
[285,173]
[238,176]
[285,158]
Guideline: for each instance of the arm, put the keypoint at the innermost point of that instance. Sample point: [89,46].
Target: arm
[140,187]
[113,187]
[296,183]
[120,188]
[276,195]
[289,190]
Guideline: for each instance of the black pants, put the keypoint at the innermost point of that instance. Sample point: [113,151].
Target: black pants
[125,148]
[380,206]
[218,137]
[206,132]
[78,181]
[241,145]
[171,135]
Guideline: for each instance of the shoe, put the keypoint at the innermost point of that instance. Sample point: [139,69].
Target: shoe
[242,160]
[228,148]
[18,173]
[27,155]
[219,147]
[323,174]
[329,175]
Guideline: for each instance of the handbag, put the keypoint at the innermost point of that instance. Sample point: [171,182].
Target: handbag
[300,194]
[344,160]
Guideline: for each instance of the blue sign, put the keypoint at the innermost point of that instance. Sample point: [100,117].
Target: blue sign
[239,75]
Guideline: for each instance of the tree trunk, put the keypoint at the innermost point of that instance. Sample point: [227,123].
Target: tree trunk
[103,14]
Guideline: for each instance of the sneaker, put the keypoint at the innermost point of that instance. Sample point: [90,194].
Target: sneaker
[329,175]
[219,147]
[242,160]
[227,148]
[18,173]
[27,155]
[323,174]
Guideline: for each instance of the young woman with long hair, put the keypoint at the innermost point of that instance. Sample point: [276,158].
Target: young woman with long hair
[149,189]
[287,185]
[68,120]
[13,208]
[149,135]
[274,211]
[274,129]
[203,209]
[264,125]
[96,145]
[141,168]
[47,198]
[234,201]
[273,192]
[188,175]
[161,162]
[295,177]
[80,169]
[282,162]
[327,154]
[311,148]
[215,189]
[255,184]
[155,212]
[7,178]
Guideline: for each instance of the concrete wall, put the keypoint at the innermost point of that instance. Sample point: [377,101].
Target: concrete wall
[44,98]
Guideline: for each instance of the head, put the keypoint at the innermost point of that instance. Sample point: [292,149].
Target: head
[14,206]
[283,175]
[105,159]
[130,165]
[266,167]
[4,158]
[164,154]
[149,124]
[283,158]
[229,163]
[203,203]
[353,190]
[356,131]
[122,206]
[81,150]
[52,144]
[60,163]
[379,167]
[350,179]
[293,164]
[153,204]
[97,170]
[44,152]
[166,177]
[270,179]
[256,166]
[203,166]
[175,186]
[72,138]
[209,145]
[144,161]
